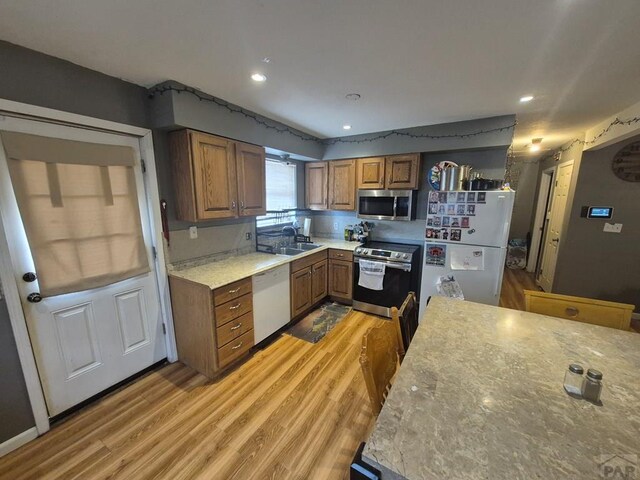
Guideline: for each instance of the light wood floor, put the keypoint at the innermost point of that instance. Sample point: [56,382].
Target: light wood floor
[294,410]
[513,283]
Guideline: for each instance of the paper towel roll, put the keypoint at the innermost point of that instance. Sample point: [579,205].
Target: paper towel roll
[306,230]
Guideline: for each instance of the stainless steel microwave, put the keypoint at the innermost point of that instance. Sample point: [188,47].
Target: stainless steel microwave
[387,204]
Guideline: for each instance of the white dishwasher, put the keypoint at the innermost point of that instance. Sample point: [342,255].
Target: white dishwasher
[271,305]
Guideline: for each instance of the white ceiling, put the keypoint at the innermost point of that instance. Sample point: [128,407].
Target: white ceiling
[415,62]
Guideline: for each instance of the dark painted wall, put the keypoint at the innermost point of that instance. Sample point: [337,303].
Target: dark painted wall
[15,410]
[593,263]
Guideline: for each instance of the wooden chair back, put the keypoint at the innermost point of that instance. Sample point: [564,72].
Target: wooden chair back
[378,359]
[408,313]
[587,310]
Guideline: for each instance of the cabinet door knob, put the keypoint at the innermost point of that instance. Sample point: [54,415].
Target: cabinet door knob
[29,277]
[233,204]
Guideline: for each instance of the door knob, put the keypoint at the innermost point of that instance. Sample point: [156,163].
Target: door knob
[34,297]
[29,277]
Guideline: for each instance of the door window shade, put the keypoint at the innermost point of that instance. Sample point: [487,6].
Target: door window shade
[79,207]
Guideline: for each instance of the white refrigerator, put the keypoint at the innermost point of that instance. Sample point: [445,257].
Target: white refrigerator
[466,238]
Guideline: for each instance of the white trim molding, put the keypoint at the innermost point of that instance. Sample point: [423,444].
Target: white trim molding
[18,441]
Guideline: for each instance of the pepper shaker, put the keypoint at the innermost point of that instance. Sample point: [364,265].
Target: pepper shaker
[592,386]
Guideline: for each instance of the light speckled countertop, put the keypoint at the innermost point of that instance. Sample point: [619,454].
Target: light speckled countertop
[480,396]
[219,273]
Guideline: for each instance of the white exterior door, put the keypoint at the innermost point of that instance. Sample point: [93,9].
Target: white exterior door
[87,341]
[556,219]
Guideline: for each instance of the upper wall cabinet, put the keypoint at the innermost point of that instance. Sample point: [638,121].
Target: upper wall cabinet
[342,185]
[392,172]
[214,177]
[370,172]
[316,175]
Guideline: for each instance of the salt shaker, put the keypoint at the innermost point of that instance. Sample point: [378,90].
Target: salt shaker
[573,380]
[592,386]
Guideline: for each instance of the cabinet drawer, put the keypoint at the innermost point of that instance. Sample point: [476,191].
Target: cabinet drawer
[341,255]
[235,348]
[234,329]
[305,262]
[233,309]
[233,290]
[581,312]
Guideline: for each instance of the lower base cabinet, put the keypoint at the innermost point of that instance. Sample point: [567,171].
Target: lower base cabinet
[213,328]
[308,282]
[341,275]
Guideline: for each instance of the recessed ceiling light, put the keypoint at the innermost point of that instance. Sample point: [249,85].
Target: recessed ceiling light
[353,96]
[526,98]
[346,127]
[535,144]
[258,77]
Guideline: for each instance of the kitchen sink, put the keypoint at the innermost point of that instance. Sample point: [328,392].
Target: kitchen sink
[306,246]
[290,251]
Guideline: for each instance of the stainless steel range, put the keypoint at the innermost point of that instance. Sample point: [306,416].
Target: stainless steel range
[402,275]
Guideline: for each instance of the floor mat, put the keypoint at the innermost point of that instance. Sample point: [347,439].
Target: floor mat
[318,323]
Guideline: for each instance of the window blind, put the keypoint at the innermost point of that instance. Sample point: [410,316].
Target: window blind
[79,206]
[281,185]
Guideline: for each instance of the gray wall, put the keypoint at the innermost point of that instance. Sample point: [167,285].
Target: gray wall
[401,144]
[15,409]
[593,263]
[37,79]
[524,206]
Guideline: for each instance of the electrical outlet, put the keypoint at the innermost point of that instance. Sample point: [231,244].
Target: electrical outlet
[335,226]
[612,227]
[248,236]
[193,232]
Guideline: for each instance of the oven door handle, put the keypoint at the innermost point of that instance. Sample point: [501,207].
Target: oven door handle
[397,266]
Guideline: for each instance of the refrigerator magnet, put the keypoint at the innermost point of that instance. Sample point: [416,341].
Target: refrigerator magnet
[445,234]
[471,209]
[452,197]
[442,209]
[451,209]
[460,209]
[482,197]
[456,234]
[464,222]
[461,197]
[433,197]
[471,197]
[429,221]
[436,255]
[442,197]
[437,221]
[455,222]
[446,221]
[433,208]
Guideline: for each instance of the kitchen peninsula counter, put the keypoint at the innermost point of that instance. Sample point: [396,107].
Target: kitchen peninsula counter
[480,395]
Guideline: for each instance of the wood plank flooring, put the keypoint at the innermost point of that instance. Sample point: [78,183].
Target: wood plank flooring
[513,283]
[294,410]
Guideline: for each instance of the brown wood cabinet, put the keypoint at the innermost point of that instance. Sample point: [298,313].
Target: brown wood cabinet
[215,177]
[341,279]
[213,328]
[317,185]
[319,276]
[370,173]
[400,172]
[342,185]
[308,282]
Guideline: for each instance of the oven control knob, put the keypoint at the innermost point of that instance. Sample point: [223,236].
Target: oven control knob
[405,256]
[397,255]
[365,252]
[358,250]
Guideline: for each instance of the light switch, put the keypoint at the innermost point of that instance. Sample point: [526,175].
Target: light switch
[193,232]
[612,227]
